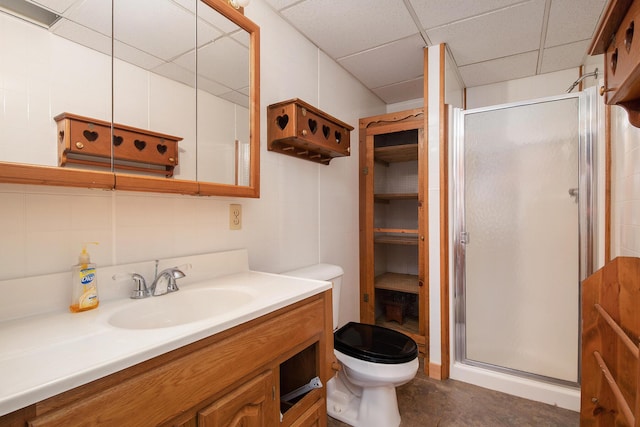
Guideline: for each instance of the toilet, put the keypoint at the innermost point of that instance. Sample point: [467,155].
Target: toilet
[375,360]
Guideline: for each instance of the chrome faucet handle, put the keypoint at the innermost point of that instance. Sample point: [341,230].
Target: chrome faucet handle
[141,290]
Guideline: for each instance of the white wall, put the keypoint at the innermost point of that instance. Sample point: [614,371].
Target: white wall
[625,185]
[307,213]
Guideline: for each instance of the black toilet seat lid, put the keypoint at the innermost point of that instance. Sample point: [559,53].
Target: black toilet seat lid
[374,344]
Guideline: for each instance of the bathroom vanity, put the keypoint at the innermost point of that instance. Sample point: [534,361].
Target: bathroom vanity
[204,372]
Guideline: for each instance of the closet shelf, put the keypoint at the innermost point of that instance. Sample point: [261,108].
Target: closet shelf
[387,197]
[396,153]
[396,236]
[407,283]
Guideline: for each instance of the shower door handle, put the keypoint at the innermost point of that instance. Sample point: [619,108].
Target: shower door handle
[464,238]
[574,192]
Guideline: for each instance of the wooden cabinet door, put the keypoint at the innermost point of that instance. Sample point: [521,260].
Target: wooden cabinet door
[315,416]
[250,405]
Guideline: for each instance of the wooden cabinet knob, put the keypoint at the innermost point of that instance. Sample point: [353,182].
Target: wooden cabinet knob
[172,160]
[79,145]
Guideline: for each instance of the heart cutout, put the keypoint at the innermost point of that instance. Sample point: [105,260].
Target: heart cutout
[139,144]
[338,136]
[325,131]
[161,148]
[117,140]
[90,135]
[61,136]
[282,121]
[313,126]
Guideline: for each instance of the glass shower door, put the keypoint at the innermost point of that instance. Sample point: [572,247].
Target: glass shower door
[518,239]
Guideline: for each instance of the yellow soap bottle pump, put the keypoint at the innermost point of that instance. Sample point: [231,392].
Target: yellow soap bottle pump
[84,282]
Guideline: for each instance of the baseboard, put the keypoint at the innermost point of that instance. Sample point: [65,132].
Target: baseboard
[435,371]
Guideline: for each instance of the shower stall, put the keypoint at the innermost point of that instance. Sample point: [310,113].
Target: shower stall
[523,234]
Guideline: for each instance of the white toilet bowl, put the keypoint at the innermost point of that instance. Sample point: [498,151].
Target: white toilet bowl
[364,393]
[374,362]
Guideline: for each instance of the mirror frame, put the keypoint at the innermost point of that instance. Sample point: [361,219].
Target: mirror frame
[19,173]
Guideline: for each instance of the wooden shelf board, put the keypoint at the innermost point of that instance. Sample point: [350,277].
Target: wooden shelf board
[410,328]
[395,196]
[398,282]
[396,153]
[396,240]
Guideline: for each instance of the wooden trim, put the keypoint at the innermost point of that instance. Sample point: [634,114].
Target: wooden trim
[435,371]
[367,291]
[464,98]
[153,184]
[423,218]
[607,183]
[444,224]
[17,173]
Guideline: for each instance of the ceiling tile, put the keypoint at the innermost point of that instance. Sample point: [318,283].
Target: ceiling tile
[281,4]
[342,27]
[509,31]
[433,13]
[135,56]
[413,89]
[94,14]
[175,72]
[135,23]
[387,64]
[58,6]
[236,58]
[498,70]
[572,20]
[566,56]
[82,35]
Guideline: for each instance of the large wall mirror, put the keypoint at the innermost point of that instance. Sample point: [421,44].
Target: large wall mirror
[187,69]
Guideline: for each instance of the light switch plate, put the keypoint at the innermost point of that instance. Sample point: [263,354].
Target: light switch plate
[235,216]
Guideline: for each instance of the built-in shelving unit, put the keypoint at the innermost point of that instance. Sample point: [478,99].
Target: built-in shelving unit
[393,223]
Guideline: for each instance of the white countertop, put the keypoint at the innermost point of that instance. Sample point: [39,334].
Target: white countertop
[47,354]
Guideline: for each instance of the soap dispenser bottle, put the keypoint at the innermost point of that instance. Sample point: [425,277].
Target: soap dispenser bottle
[84,295]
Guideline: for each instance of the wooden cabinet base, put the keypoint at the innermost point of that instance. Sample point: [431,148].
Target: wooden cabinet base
[228,377]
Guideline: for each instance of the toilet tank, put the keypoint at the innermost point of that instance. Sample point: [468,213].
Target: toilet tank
[329,273]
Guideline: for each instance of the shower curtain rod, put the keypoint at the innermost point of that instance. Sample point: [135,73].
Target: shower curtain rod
[581,78]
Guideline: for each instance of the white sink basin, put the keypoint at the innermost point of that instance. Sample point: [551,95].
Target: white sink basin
[178,308]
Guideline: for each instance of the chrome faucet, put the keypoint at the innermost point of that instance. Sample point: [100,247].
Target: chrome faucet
[141,290]
[165,281]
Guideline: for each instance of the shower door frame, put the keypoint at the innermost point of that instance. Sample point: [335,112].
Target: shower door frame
[587,224]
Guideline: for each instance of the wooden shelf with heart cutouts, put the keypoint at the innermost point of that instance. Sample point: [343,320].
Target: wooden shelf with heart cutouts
[298,129]
[87,141]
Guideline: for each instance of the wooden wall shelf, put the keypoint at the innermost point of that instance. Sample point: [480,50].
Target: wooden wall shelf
[615,38]
[88,141]
[298,129]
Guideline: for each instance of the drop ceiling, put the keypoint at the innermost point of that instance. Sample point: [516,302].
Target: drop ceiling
[381,42]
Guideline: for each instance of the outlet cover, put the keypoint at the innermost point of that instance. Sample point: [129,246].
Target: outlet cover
[235,216]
